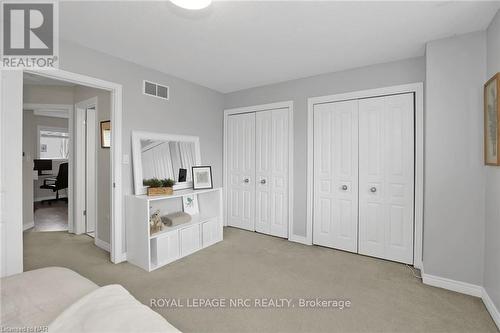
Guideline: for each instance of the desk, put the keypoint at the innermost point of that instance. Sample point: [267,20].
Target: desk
[36,176]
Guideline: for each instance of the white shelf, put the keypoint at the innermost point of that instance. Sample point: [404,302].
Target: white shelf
[177,194]
[172,243]
[195,219]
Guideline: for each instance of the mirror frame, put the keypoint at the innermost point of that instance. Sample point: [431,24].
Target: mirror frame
[137,136]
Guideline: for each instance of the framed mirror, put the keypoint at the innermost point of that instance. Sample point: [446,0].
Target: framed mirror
[160,155]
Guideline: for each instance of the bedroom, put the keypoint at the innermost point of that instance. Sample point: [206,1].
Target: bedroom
[259,92]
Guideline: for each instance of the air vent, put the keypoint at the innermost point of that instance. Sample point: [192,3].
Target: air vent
[155,90]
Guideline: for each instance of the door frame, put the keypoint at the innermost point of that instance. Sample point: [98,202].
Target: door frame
[11,176]
[258,108]
[79,227]
[115,90]
[14,133]
[416,88]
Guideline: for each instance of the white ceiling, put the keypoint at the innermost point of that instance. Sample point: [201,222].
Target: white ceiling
[236,45]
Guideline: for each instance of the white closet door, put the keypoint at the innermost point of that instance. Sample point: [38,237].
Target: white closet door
[335,218]
[241,171]
[386,177]
[271,215]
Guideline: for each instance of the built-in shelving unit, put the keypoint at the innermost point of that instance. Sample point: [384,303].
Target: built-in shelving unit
[151,251]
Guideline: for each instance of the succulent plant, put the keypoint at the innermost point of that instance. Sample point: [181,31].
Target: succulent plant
[167,182]
[155,182]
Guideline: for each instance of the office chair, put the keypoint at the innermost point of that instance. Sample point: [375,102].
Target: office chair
[57,184]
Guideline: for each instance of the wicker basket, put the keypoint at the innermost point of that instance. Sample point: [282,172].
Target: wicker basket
[160,191]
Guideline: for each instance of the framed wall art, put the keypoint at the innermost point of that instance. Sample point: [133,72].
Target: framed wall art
[491,121]
[202,177]
[190,204]
[106,134]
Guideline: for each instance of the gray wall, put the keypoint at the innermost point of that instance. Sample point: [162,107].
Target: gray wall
[454,173]
[394,73]
[103,159]
[48,94]
[191,110]
[492,241]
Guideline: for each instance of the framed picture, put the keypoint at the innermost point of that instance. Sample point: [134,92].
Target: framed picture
[190,204]
[491,121]
[202,177]
[106,134]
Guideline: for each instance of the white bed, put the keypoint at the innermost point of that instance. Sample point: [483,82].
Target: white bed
[65,301]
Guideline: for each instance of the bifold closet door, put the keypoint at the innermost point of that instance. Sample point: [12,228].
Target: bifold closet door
[386,177]
[335,217]
[241,171]
[271,172]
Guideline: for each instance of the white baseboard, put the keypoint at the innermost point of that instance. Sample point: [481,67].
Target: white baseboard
[107,247]
[299,239]
[492,309]
[122,258]
[464,288]
[28,226]
[453,285]
[102,244]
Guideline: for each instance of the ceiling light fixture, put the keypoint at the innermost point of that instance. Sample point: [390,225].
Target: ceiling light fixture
[192,4]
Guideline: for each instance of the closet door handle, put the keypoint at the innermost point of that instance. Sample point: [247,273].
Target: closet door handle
[373,189]
[247,180]
[344,187]
[263,181]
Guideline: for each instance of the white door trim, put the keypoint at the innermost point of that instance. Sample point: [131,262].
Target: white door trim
[91,165]
[416,88]
[117,253]
[11,176]
[82,185]
[78,170]
[257,108]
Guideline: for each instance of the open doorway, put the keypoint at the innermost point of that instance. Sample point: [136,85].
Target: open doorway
[66,170]
[11,104]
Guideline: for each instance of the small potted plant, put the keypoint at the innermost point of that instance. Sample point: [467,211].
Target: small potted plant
[157,186]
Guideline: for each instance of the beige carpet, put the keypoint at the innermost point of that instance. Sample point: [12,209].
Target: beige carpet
[385,296]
